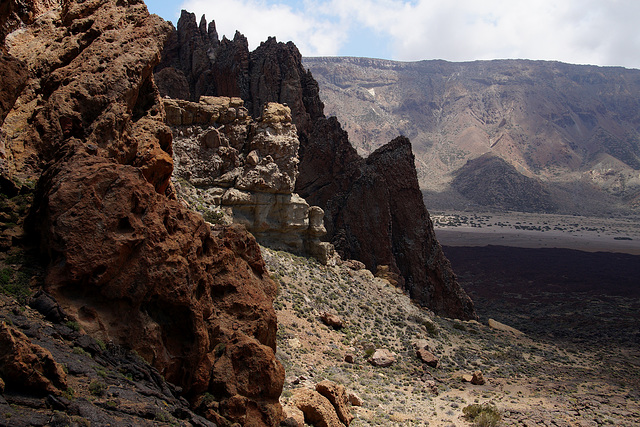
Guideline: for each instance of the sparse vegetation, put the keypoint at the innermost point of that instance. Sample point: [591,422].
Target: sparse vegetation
[486,415]
[379,315]
[97,388]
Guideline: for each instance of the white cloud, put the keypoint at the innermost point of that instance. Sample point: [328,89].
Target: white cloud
[602,32]
[258,19]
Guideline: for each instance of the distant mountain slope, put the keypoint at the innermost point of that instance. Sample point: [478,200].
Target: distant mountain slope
[575,128]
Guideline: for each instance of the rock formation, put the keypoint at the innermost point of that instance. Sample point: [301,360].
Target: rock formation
[228,163]
[125,261]
[393,230]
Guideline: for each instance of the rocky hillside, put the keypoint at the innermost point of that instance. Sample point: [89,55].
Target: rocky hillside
[572,129]
[393,233]
[401,365]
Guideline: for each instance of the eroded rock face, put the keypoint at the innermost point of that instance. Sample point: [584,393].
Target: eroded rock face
[226,162]
[126,261]
[332,175]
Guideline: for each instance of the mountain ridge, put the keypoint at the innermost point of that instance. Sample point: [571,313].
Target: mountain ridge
[552,121]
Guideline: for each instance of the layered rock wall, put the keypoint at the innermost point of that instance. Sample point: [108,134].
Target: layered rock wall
[380,232]
[129,264]
[228,164]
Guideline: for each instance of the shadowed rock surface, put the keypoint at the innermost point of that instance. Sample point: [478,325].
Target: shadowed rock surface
[332,174]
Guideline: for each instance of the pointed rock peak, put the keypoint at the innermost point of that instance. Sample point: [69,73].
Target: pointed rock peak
[203,25]
[186,16]
[213,33]
[239,37]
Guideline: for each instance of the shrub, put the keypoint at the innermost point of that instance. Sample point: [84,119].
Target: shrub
[97,388]
[73,325]
[486,415]
[213,216]
[15,284]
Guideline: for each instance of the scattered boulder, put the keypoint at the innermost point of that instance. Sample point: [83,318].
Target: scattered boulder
[26,366]
[477,378]
[332,320]
[47,306]
[382,358]
[505,328]
[350,358]
[317,409]
[354,399]
[337,395]
[423,353]
[427,357]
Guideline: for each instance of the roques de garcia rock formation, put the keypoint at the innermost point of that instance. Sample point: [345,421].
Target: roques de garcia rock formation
[373,207]
[229,166]
[130,265]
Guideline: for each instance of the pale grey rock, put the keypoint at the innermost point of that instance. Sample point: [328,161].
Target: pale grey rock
[235,169]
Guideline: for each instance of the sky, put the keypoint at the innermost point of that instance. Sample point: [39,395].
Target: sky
[597,32]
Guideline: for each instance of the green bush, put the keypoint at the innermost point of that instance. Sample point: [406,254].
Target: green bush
[73,325]
[97,388]
[15,284]
[486,415]
[213,216]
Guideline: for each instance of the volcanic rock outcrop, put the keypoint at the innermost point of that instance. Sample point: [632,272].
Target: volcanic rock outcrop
[125,261]
[226,163]
[373,208]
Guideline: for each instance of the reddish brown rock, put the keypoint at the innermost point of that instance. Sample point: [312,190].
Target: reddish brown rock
[125,261]
[317,409]
[144,272]
[331,319]
[337,395]
[354,399]
[382,358]
[26,366]
[293,417]
[478,378]
[427,357]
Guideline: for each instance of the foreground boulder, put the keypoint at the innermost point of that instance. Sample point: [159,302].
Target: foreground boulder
[337,395]
[316,408]
[131,265]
